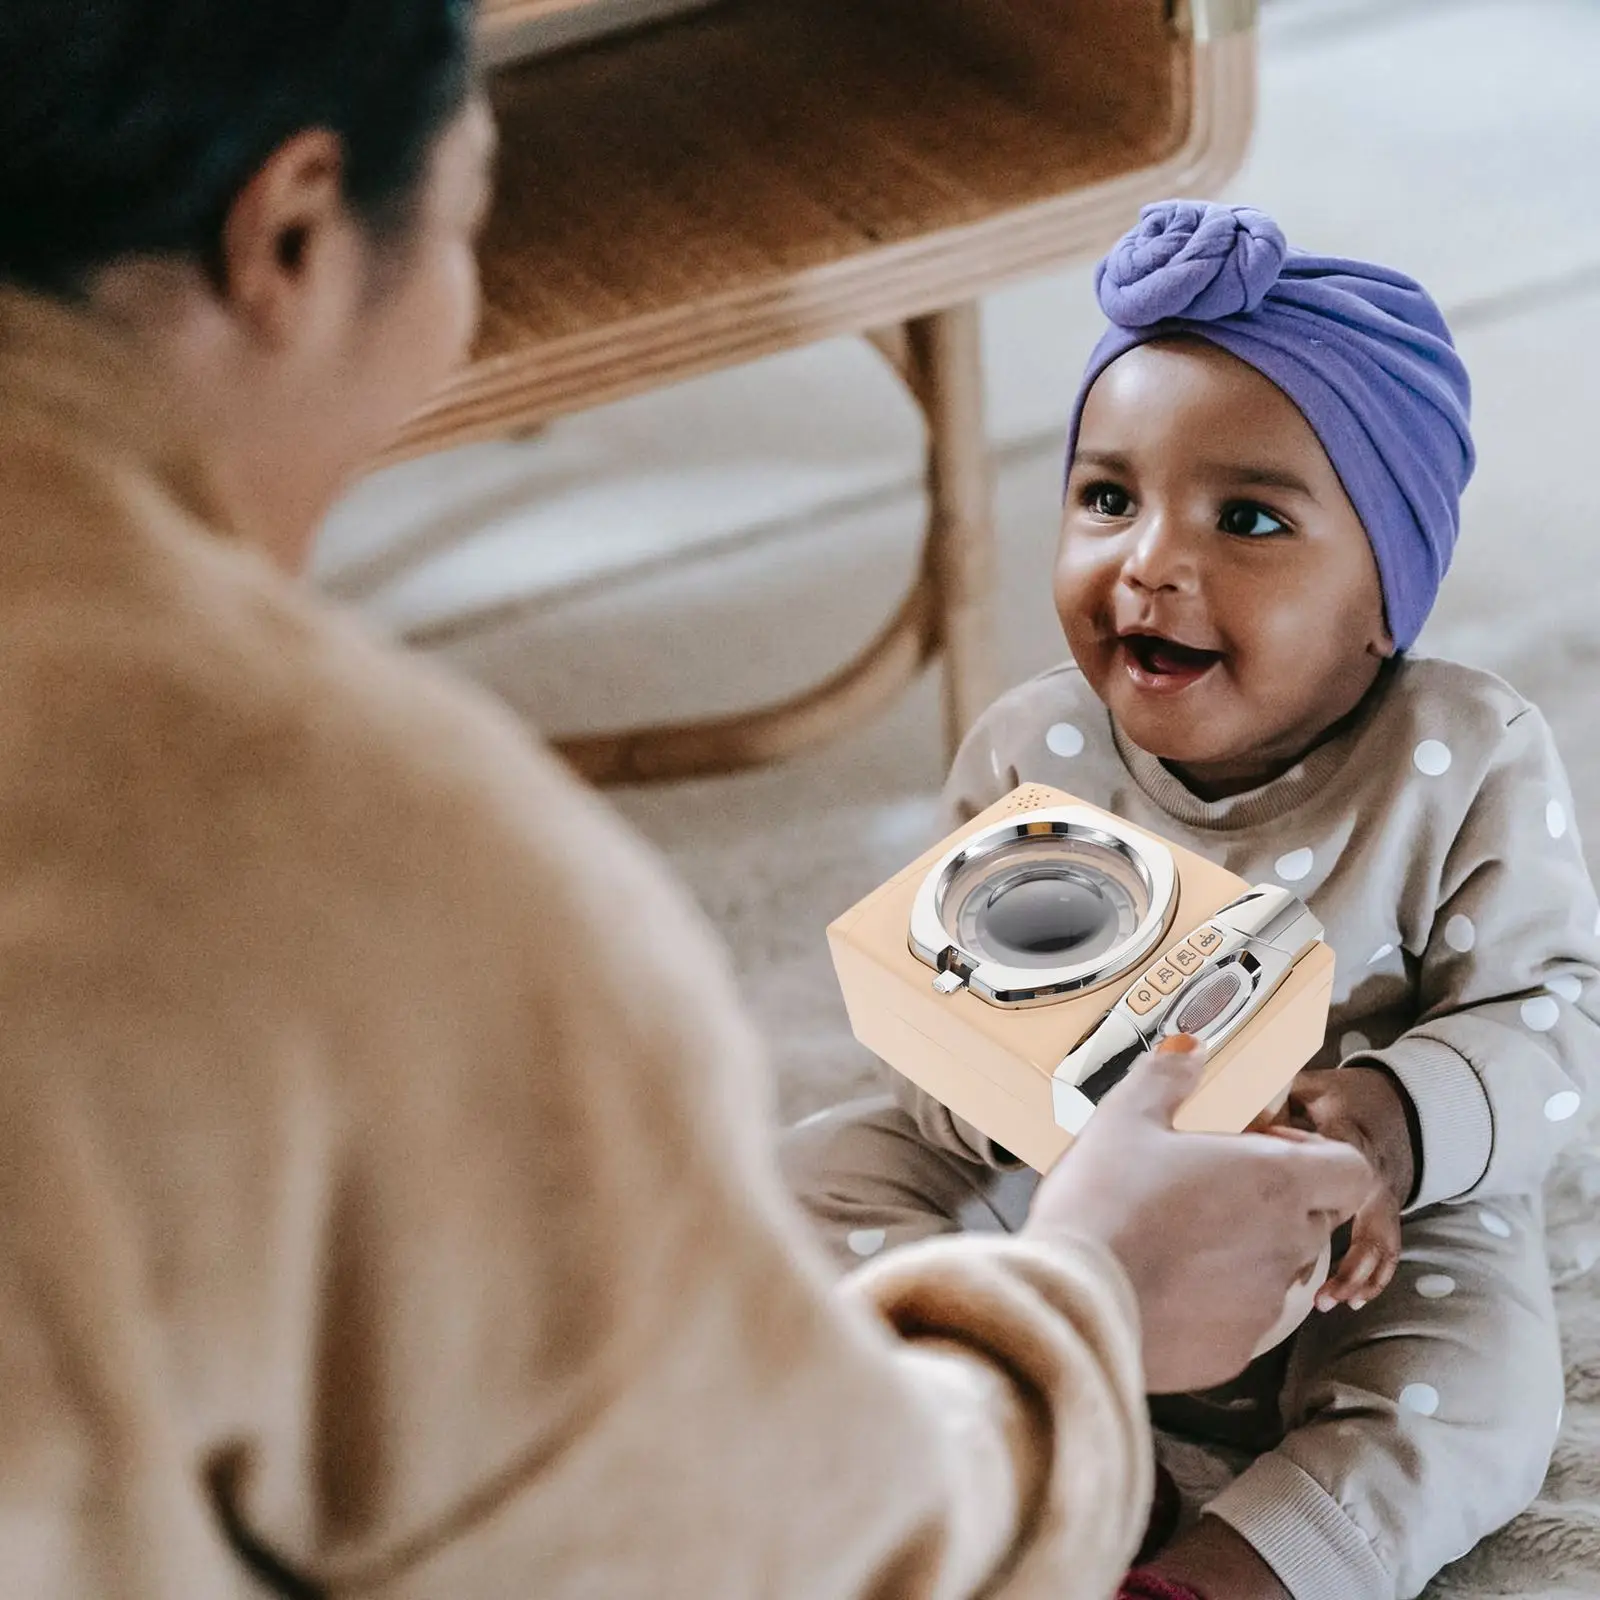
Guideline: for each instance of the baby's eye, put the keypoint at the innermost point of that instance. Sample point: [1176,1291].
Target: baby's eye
[1250,521]
[1107,500]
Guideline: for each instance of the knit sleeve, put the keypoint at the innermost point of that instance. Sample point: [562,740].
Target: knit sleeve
[1051,729]
[1504,1059]
[984,769]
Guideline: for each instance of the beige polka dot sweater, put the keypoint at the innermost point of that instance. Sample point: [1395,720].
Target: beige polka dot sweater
[1434,838]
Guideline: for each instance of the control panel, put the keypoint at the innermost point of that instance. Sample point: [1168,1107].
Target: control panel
[1208,985]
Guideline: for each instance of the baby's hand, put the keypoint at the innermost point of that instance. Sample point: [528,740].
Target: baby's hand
[1362,1106]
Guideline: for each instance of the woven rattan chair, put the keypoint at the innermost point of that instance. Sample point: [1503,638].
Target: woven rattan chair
[760,174]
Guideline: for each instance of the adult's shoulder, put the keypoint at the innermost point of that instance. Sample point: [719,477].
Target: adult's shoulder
[288,788]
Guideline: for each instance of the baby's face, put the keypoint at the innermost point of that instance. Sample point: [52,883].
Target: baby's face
[1214,582]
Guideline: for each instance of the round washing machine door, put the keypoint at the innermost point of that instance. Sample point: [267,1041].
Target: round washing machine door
[1047,904]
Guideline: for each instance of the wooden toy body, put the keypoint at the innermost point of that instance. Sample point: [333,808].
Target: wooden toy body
[993,1066]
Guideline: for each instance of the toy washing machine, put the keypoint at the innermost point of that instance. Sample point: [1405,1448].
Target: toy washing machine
[1019,969]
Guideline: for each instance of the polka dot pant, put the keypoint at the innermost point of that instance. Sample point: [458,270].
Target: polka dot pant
[1419,1425]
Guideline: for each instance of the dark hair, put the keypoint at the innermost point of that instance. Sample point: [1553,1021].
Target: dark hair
[129,127]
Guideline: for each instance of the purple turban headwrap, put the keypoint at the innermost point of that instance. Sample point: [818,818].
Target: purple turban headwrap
[1360,349]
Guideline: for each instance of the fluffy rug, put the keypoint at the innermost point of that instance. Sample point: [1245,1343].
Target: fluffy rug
[773,888]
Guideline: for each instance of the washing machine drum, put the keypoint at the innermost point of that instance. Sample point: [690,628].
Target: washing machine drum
[1044,902]
[1050,903]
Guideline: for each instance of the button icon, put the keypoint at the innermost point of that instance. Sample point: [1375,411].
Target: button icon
[1207,941]
[1143,998]
[1187,959]
[1166,977]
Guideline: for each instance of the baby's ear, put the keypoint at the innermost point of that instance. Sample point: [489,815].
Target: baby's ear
[1381,644]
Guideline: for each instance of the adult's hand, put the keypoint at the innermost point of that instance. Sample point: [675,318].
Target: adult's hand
[1212,1229]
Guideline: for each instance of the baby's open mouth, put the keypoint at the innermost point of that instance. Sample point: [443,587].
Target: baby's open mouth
[1164,661]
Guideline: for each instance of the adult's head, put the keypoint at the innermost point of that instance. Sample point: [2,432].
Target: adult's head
[280,201]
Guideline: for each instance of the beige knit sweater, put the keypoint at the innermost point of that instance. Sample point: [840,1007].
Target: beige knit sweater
[386,1201]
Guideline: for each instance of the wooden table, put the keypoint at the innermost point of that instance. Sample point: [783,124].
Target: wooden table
[766,173]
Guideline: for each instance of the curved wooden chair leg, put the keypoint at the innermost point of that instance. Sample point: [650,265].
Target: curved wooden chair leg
[939,359]
[752,738]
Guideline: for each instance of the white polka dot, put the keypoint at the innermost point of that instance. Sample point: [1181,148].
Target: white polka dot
[1555,819]
[1493,1222]
[1568,985]
[866,1241]
[1541,1013]
[1353,1044]
[1294,866]
[1382,953]
[1432,758]
[1065,740]
[1436,1286]
[1460,934]
[1559,1107]
[1421,1398]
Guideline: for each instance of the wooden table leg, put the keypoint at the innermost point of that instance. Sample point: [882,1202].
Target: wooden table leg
[947,357]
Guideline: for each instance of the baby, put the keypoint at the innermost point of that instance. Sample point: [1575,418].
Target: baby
[1265,465]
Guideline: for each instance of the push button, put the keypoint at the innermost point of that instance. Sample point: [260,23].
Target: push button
[1167,978]
[1186,959]
[1207,941]
[1143,998]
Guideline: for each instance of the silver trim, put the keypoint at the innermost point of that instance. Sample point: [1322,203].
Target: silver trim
[1014,987]
[1265,932]
[1117,1043]
[1072,1107]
